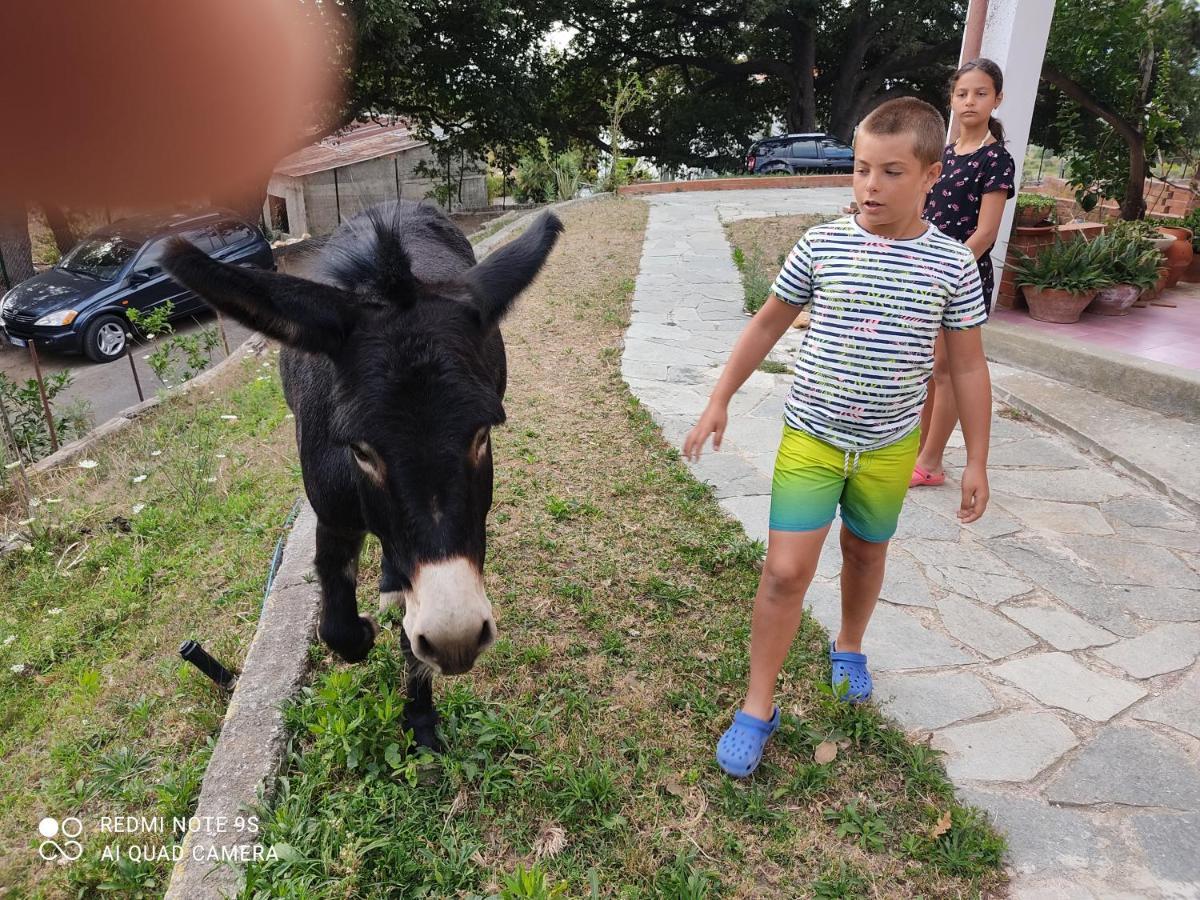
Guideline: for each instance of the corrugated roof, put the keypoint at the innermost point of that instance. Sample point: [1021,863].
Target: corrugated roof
[366,140]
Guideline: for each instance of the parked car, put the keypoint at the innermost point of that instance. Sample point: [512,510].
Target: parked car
[79,305]
[789,154]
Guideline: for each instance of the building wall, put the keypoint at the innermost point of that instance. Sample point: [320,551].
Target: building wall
[292,191]
[364,184]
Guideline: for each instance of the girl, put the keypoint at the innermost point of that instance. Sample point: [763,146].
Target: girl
[966,203]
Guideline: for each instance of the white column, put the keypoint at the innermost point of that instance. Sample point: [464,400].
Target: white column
[1015,36]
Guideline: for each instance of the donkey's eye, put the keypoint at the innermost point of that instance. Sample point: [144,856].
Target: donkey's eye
[360,453]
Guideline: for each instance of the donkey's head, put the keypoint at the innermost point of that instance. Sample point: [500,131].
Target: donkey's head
[417,385]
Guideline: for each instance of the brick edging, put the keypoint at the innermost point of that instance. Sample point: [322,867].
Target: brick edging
[737,184]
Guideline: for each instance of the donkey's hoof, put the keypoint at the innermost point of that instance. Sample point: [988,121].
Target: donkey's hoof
[355,645]
[424,729]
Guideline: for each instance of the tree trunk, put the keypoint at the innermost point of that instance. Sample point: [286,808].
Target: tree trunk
[1133,206]
[16,252]
[56,218]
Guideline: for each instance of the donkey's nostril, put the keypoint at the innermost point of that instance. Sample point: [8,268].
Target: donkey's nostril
[486,636]
[425,647]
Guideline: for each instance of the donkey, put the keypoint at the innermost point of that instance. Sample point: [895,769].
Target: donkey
[395,369]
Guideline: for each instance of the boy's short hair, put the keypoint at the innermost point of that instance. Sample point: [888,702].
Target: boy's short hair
[912,116]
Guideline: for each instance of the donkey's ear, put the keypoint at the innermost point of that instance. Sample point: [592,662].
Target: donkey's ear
[301,313]
[498,280]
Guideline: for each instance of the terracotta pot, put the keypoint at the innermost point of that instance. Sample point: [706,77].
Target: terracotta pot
[1179,254]
[1192,273]
[1159,286]
[1050,305]
[1031,217]
[1114,300]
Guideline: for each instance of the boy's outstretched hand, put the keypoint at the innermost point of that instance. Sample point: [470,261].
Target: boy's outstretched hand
[974,493]
[712,421]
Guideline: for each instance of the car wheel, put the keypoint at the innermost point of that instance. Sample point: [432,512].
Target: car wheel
[104,339]
[776,170]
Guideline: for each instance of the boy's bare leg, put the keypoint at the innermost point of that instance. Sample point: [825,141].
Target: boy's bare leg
[862,579]
[791,563]
[943,417]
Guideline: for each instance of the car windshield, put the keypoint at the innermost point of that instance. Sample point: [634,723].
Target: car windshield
[101,257]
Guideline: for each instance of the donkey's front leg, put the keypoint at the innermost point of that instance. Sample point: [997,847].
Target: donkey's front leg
[343,630]
[419,714]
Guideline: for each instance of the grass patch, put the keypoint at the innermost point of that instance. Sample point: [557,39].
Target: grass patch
[580,750]
[167,537]
[773,367]
[759,248]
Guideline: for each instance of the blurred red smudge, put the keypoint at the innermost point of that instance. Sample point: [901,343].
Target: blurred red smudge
[146,102]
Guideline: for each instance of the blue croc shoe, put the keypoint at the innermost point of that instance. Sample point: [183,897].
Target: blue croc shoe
[852,668]
[741,747]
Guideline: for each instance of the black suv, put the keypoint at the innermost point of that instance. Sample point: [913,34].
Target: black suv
[80,304]
[791,154]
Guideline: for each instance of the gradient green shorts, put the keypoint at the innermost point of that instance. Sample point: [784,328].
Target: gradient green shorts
[812,478]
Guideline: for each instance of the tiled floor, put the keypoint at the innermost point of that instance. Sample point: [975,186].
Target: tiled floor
[1157,333]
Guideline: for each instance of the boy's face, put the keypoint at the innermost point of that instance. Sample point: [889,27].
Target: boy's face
[890,183]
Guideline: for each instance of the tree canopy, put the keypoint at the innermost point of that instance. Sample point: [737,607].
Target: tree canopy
[1128,89]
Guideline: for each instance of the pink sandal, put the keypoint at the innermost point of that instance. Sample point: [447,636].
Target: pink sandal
[921,478]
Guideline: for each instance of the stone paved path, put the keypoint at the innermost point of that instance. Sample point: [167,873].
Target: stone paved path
[1051,648]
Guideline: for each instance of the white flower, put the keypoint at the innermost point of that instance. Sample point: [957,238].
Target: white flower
[88,464]
[289,416]
[151,337]
[266,365]
[156,453]
[34,501]
[8,640]
[138,507]
[229,418]
[17,669]
[220,456]
[54,611]
[210,480]
[138,479]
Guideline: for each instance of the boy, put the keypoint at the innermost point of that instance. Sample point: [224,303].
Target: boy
[881,284]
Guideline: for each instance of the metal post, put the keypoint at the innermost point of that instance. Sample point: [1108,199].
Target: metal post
[221,329]
[12,439]
[1041,163]
[337,196]
[133,368]
[396,163]
[37,369]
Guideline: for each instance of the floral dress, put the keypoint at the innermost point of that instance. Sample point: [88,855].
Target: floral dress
[953,204]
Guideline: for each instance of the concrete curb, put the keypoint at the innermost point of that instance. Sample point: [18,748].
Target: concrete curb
[253,735]
[254,345]
[1097,448]
[1164,389]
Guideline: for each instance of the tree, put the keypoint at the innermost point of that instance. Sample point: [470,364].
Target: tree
[16,253]
[806,62]
[628,94]
[1129,71]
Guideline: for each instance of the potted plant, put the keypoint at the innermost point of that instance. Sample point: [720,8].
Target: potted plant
[1035,210]
[1061,280]
[1133,268]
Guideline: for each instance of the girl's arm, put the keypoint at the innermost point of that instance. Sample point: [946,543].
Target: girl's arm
[752,347]
[991,210]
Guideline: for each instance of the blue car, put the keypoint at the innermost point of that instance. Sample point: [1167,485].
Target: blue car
[80,304]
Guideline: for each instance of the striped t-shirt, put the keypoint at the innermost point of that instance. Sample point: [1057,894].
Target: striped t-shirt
[877,305]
